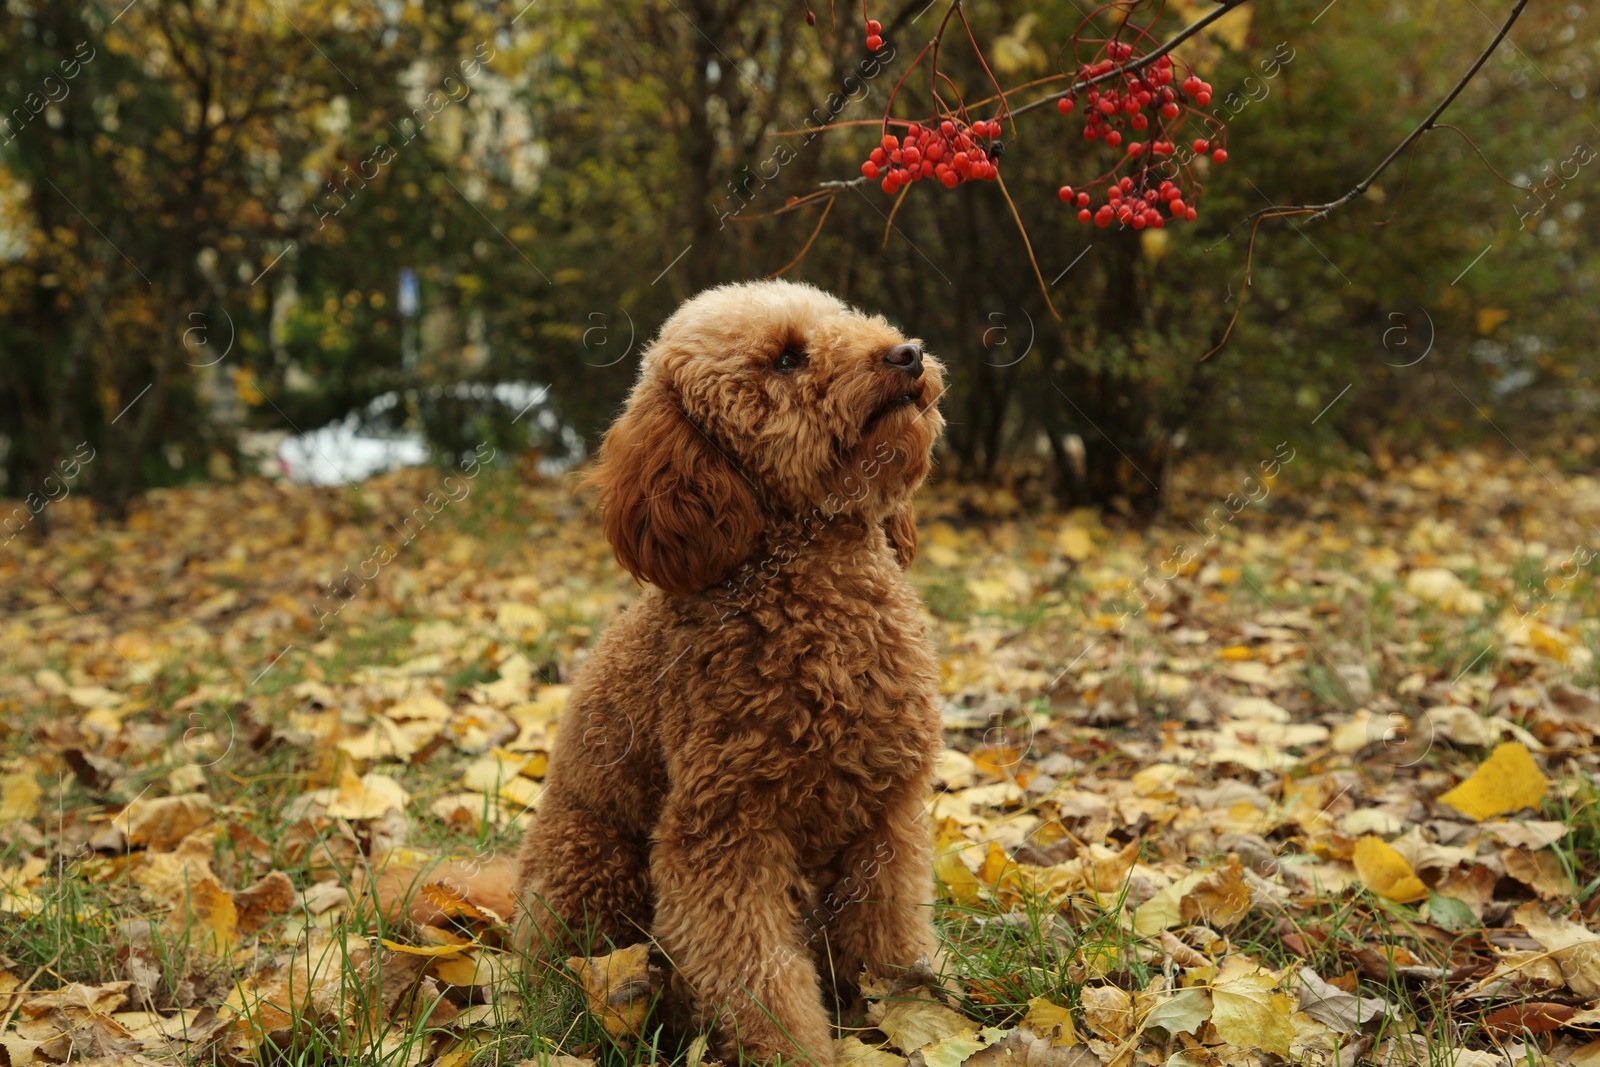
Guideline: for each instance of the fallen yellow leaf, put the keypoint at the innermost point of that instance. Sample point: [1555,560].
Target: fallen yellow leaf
[19,795]
[915,1019]
[619,988]
[1386,872]
[1051,1020]
[959,882]
[1506,781]
[1249,1011]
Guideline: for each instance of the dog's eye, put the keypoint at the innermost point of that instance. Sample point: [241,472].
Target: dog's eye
[789,359]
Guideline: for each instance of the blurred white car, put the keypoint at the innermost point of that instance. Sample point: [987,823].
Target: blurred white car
[377,437]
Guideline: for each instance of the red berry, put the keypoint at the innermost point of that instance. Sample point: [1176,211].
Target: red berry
[1139,122]
[1102,217]
[1202,98]
[879,156]
[1176,207]
[1083,199]
[869,169]
[1138,222]
[1064,105]
[890,142]
[1113,138]
[874,26]
[1107,105]
[1220,155]
[936,151]
[1135,150]
[1084,215]
[890,183]
[912,157]
[927,168]
[947,128]
[874,42]
[1190,214]
[1169,111]
[1125,184]
[1090,133]
[950,178]
[1201,145]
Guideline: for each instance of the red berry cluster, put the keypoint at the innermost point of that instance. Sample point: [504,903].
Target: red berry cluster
[874,35]
[948,152]
[1144,109]
[1132,207]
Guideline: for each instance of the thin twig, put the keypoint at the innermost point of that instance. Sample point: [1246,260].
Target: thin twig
[1005,105]
[893,211]
[1475,148]
[1043,288]
[1250,251]
[802,254]
[1321,211]
[21,991]
[794,204]
[1405,183]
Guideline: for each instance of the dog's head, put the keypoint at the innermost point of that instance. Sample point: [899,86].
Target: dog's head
[758,403]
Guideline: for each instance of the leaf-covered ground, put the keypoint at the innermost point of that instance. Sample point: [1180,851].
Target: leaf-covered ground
[1320,788]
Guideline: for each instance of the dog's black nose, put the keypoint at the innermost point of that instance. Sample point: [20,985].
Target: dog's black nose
[906,357]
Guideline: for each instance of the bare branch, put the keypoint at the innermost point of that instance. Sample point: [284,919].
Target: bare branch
[1322,211]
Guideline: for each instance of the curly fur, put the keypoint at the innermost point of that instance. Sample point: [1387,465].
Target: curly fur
[741,769]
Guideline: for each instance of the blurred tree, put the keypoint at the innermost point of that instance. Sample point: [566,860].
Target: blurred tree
[256,173]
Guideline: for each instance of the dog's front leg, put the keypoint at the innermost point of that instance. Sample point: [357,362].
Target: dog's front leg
[726,916]
[886,921]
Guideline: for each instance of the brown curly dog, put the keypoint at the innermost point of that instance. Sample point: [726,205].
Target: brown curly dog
[742,766]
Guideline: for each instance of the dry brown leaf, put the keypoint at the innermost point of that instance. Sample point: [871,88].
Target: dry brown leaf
[1540,871]
[1574,949]
[204,918]
[270,898]
[1535,1017]
[1108,1011]
[160,823]
[1220,899]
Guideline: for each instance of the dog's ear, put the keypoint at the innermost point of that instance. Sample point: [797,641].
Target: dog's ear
[675,510]
[901,529]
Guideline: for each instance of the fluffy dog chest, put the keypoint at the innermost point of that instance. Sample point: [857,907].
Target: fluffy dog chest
[814,702]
